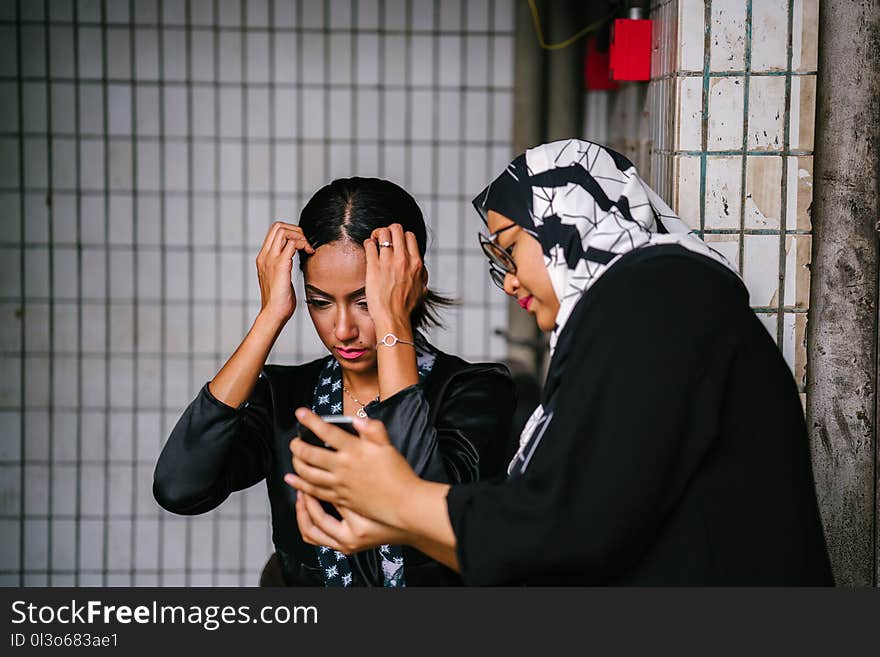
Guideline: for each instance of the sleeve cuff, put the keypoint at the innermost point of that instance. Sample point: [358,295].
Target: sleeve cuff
[231,410]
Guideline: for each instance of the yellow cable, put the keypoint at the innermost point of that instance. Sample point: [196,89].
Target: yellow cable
[562,44]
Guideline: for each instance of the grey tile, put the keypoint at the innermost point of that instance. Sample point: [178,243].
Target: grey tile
[148,219]
[92,165]
[341,58]
[174,544]
[119,556]
[36,426]
[63,550]
[203,66]
[119,43]
[257,49]
[62,100]
[121,225]
[146,11]
[91,549]
[36,382]
[10,492]
[91,62]
[60,52]
[36,160]
[146,53]
[33,39]
[93,435]
[258,113]
[121,381]
[94,391]
[10,546]
[36,491]
[10,216]
[258,164]
[36,326]
[66,385]
[176,168]
[66,338]
[63,490]
[229,13]
[175,112]
[174,54]
[477,58]
[63,154]
[36,544]
[10,430]
[148,166]
[230,57]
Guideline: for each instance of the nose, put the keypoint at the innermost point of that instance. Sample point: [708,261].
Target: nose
[511,284]
[345,329]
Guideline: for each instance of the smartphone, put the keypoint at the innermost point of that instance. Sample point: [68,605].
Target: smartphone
[342,421]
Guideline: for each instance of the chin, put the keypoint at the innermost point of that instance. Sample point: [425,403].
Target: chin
[544,325]
[362,365]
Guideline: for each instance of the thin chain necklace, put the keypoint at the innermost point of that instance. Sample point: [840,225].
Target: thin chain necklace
[361,412]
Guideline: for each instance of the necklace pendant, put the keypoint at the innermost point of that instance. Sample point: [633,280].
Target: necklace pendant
[361,412]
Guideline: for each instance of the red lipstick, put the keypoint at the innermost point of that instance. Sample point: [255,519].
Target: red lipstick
[350,354]
[526,302]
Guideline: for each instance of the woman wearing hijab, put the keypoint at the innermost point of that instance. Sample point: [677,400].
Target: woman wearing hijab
[367,296]
[669,446]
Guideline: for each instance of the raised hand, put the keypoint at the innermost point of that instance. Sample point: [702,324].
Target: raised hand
[396,278]
[275,266]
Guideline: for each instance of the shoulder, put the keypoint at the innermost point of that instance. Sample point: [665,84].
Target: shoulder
[291,378]
[657,310]
[663,287]
[449,366]
[278,372]
[454,380]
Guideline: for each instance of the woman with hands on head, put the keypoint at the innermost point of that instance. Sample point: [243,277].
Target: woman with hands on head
[361,243]
[669,446]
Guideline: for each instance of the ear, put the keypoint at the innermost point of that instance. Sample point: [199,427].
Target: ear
[425,277]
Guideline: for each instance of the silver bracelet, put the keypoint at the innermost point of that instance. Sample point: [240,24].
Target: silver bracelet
[390,340]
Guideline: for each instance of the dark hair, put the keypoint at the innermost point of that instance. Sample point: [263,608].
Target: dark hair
[351,209]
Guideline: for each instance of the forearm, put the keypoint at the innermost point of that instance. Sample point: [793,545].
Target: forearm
[234,382]
[397,364]
[424,521]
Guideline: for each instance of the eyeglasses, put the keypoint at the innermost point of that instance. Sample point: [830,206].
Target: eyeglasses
[500,259]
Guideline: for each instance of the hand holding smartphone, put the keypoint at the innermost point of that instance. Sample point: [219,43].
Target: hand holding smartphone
[343,422]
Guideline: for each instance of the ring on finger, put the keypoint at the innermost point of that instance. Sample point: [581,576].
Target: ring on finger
[385,244]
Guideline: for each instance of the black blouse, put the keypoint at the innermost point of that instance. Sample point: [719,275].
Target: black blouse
[451,427]
[677,453]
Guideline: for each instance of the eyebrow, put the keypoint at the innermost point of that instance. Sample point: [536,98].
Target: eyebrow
[498,233]
[357,293]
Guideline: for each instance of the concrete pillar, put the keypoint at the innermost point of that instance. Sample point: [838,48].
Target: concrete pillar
[528,130]
[842,365]
[565,78]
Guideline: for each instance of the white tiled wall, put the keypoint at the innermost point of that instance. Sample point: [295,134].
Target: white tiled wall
[145,147]
[734,81]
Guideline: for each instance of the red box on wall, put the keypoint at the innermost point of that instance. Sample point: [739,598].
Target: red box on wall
[597,69]
[631,49]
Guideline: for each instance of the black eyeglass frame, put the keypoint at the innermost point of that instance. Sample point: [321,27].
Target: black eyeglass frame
[500,259]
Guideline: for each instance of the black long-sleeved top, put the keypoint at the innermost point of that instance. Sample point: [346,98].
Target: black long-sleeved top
[451,427]
[677,453]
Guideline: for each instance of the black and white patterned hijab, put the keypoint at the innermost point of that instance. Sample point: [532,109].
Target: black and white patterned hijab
[587,207]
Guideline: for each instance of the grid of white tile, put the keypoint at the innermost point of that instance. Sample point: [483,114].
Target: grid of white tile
[732,100]
[145,147]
